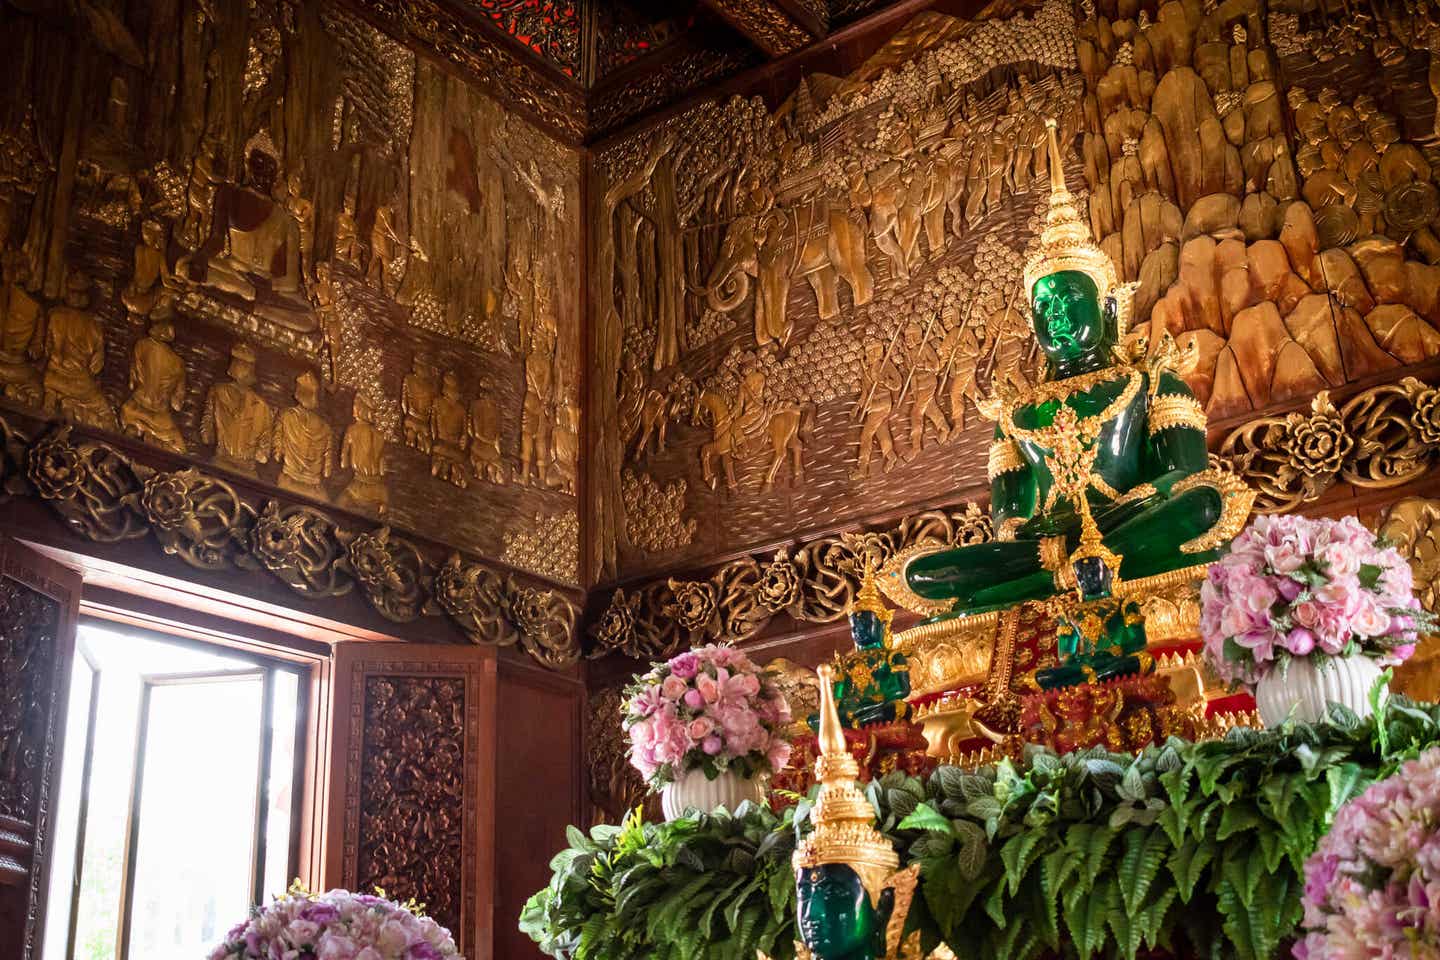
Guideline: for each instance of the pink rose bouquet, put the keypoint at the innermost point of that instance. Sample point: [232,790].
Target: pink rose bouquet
[1372,888]
[1297,587]
[338,925]
[707,709]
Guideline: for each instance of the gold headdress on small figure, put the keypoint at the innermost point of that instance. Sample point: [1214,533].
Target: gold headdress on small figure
[1065,241]
[869,597]
[844,820]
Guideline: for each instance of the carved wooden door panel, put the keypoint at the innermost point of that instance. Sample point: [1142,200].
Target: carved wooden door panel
[412,780]
[39,599]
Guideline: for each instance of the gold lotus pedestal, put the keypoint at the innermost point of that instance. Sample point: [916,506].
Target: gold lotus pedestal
[973,689]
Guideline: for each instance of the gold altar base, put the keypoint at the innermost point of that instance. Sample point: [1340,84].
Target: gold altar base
[878,749]
[972,695]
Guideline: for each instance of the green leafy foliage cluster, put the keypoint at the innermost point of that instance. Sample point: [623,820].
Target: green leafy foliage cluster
[1192,847]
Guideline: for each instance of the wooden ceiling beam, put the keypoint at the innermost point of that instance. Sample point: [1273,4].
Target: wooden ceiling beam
[765,23]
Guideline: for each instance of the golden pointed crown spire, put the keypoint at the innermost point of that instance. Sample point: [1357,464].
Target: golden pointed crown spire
[869,596]
[844,820]
[1065,241]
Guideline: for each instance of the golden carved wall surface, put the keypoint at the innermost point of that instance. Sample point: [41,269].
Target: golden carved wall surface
[795,310]
[265,236]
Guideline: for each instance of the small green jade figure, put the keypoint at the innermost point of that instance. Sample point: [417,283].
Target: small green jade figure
[852,902]
[874,679]
[1098,634]
[1103,440]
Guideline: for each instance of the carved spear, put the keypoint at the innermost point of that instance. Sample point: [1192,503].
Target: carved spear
[910,374]
[884,358]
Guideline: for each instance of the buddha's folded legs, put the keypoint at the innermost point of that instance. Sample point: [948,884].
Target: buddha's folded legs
[982,575]
[1149,537]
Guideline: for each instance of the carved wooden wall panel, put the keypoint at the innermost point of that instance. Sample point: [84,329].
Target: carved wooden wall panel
[795,311]
[269,238]
[414,775]
[38,602]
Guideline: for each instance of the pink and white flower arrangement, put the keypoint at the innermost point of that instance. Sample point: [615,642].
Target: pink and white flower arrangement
[709,709]
[1299,587]
[338,925]
[1372,888]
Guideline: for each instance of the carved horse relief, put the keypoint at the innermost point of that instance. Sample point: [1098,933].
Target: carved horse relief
[750,431]
[820,240]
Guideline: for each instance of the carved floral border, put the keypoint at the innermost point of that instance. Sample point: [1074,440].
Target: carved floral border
[1382,437]
[106,497]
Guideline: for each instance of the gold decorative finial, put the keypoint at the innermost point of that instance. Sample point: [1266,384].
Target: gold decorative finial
[1065,242]
[844,820]
[1092,544]
[869,596]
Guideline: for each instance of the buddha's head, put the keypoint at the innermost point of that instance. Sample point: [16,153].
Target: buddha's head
[1072,284]
[1070,322]
[869,617]
[837,919]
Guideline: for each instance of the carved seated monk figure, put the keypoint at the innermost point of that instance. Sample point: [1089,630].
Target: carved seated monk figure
[873,679]
[1103,445]
[851,902]
[253,250]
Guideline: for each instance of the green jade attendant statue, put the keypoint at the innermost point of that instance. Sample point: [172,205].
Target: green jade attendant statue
[852,902]
[874,679]
[1106,445]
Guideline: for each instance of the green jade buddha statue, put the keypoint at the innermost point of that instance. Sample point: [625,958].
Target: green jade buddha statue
[874,679]
[1104,445]
[852,902]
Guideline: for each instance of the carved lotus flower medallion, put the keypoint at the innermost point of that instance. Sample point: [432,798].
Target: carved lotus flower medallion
[1425,418]
[779,585]
[615,630]
[1318,444]
[168,501]
[55,467]
[372,561]
[694,605]
[275,540]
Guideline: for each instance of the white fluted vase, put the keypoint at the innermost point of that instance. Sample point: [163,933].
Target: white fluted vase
[1308,690]
[693,791]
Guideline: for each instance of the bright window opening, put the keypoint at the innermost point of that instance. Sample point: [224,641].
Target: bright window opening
[178,796]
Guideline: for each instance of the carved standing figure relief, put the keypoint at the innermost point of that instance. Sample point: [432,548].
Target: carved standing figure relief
[302,210]
[305,442]
[923,383]
[74,357]
[566,443]
[362,451]
[484,429]
[537,344]
[237,420]
[157,387]
[880,384]
[449,432]
[20,336]
[385,246]
[417,394]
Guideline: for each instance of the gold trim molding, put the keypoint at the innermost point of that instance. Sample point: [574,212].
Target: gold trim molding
[814,583]
[103,495]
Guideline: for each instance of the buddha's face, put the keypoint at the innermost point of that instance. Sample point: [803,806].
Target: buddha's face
[867,630]
[1068,321]
[836,918]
